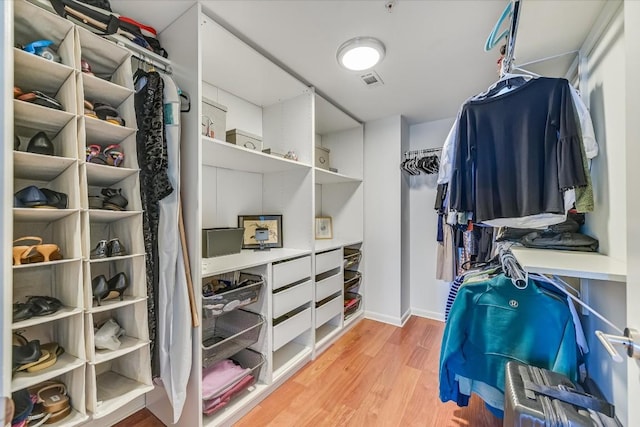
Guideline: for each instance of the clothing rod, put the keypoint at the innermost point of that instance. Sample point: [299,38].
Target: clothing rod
[547,58]
[141,53]
[164,68]
[424,150]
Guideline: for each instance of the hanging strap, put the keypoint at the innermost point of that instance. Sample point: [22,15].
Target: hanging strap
[573,397]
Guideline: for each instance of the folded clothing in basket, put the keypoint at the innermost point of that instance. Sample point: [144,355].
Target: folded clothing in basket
[220,382]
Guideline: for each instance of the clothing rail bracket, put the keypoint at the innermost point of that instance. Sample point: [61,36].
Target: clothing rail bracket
[631,340]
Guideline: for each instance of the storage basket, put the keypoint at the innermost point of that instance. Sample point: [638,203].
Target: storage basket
[351,257]
[352,279]
[221,303]
[352,302]
[248,359]
[224,336]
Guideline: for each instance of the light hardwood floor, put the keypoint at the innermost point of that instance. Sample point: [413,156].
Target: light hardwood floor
[375,375]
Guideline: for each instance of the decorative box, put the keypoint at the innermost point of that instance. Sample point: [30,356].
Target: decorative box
[244,139]
[221,241]
[214,119]
[322,158]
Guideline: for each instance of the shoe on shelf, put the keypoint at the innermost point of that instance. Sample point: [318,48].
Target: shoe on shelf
[99,288]
[54,350]
[96,202]
[36,306]
[29,197]
[38,252]
[55,199]
[117,285]
[106,335]
[24,352]
[115,248]
[114,155]
[100,251]
[41,144]
[107,113]
[113,199]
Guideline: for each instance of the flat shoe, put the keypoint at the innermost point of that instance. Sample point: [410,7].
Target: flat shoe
[44,355]
[43,305]
[41,144]
[53,398]
[55,199]
[30,197]
[53,350]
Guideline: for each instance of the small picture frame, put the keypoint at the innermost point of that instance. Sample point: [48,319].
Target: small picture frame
[324,228]
[260,223]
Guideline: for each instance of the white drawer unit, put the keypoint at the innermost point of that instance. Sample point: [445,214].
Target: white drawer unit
[329,310]
[291,328]
[329,286]
[292,271]
[328,261]
[292,298]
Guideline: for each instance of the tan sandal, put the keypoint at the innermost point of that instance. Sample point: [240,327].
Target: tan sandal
[54,351]
[27,254]
[53,398]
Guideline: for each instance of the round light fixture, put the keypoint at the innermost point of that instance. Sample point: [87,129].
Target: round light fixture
[360,53]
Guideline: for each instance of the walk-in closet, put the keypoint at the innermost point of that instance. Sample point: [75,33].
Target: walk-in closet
[340,213]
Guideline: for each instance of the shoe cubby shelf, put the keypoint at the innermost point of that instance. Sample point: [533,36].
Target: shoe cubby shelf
[223,154]
[116,382]
[34,72]
[136,334]
[32,23]
[97,380]
[39,116]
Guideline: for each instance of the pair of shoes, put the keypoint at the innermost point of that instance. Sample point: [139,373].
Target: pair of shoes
[34,197]
[25,353]
[36,306]
[106,249]
[52,403]
[38,98]
[112,155]
[27,254]
[111,199]
[113,288]
[38,144]
[102,111]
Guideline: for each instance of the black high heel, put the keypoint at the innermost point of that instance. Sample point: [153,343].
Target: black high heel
[100,288]
[117,285]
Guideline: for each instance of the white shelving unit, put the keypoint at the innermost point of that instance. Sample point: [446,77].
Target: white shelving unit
[231,180]
[99,382]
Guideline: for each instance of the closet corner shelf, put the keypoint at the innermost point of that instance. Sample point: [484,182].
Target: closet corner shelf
[585,265]
[247,259]
[237,407]
[39,166]
[223,154]
[327,177]
[60,314]
[288,358]
[115,303]
[127,345]
[65,363]
[37,215]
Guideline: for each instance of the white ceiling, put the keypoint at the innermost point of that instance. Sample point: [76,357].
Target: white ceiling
[435,48]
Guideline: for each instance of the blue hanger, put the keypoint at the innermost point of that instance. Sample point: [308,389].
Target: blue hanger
[492,40]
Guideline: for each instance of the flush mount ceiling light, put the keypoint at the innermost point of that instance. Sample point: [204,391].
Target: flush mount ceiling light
[360,53]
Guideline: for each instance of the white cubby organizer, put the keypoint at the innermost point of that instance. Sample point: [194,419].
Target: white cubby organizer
[302,300]
[99,382]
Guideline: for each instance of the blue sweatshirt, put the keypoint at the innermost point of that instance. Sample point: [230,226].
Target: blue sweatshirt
[492,322]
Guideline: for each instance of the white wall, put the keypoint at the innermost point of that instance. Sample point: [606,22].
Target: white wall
[428,295]
[405,274]
[606,91]
[382,219]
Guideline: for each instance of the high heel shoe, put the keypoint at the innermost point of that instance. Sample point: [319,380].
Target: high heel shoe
[117,285]
[39,252]
[99,288]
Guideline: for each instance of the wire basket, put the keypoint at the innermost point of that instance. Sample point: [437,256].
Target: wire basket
[352,280]
[352,302]
[226,335]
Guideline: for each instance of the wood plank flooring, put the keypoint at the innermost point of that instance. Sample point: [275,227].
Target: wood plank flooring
[375,375]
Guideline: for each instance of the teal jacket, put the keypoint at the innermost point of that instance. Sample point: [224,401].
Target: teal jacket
[493,322]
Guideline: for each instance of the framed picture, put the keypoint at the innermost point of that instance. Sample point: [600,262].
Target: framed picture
[267,228]
[324,229]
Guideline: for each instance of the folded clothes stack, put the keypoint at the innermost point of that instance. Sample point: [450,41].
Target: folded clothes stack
[222,381]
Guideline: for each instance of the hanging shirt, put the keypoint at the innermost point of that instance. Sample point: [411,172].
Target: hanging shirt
[517,152]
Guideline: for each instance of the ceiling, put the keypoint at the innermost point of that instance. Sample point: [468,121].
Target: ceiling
[435,48]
